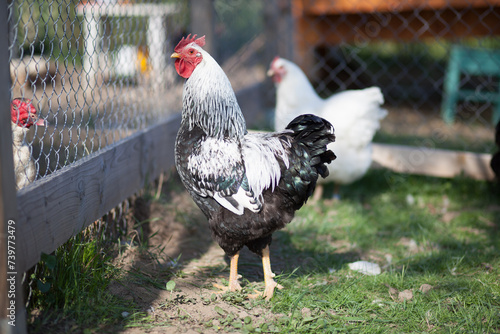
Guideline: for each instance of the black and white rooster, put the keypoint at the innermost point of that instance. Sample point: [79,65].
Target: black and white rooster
[247,184]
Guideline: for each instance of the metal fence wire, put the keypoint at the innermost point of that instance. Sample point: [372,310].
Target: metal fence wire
[96,72]
[99,70]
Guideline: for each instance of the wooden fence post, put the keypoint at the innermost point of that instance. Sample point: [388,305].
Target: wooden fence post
[279,40]
[203,23]
[12,312]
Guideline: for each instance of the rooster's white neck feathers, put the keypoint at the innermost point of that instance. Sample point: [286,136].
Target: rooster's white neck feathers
[209,101]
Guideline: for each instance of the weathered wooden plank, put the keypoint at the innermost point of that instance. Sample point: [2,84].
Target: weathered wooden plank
[58,206]
[432,161]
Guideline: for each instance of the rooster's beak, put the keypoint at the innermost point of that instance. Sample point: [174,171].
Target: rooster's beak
[175,55]
[270,73]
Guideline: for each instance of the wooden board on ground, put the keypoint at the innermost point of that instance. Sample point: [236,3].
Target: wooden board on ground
[432,161]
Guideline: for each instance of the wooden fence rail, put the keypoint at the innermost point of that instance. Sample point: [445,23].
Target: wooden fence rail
[58,206]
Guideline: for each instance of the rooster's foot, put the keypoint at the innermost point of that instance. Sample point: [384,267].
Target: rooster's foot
[233,286]
[268,291]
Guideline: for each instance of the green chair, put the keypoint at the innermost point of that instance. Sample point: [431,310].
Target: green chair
[473,62]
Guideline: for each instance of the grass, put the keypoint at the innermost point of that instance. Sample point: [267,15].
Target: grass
[67,282]
[421,231]
[69,289]
[437,242]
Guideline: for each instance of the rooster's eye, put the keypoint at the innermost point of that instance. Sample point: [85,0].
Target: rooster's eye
[191,52]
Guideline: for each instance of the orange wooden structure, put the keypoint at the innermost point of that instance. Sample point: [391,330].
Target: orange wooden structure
[331,22]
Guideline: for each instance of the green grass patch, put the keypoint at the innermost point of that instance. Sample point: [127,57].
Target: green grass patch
[70,286]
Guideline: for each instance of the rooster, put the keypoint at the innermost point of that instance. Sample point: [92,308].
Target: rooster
[248,185]
[355,113]
[23,116]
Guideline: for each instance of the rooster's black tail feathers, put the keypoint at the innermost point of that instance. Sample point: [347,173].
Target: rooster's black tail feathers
[315,133]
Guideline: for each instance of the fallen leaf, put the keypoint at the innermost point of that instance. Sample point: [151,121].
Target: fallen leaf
[405,295]
[392,291]
[306,312]
[424,288]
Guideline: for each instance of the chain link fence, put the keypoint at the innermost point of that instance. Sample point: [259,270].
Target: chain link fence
[96,71]
[99,70]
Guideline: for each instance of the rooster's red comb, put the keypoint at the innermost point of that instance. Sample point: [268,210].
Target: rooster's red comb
[186,40]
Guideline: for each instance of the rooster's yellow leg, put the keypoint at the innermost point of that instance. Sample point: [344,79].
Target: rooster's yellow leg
[234,285]
[268,275]
[269,282]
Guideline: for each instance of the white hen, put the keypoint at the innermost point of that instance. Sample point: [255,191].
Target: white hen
[23,116]
[355,115]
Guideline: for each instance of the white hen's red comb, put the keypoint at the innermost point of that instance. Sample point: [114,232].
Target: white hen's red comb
[186,40]
[274,60]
